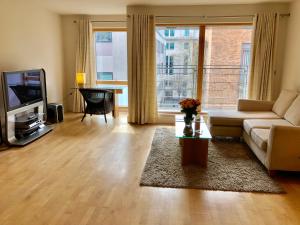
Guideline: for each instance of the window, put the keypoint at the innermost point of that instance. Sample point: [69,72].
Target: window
[111,60]
[103,37]
[169,93]
[104,75]
[186,45]
[169,65]
[219,81]
[168,83]
[186,32]
[178,78]
[225,75]
[172,32]
[170,46]
[245,62]
[169,32]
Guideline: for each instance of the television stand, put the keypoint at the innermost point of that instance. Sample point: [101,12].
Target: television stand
[32,137]
[25,125]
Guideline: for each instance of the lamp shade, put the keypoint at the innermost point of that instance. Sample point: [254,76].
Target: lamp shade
[80,78]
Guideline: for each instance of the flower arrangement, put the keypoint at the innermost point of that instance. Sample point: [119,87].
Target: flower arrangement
[189,106]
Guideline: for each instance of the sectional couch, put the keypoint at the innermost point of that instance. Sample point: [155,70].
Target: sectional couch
[271,129]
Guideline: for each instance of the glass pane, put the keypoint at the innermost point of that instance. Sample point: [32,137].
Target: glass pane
[111,59]
[103,37]
[177,65]
[111,56]
[226,66]
[104,75]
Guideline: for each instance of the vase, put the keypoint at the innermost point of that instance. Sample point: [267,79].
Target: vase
[188,119]
[188,128]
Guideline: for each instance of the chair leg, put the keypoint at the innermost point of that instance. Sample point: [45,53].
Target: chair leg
[105,118]
[83,115]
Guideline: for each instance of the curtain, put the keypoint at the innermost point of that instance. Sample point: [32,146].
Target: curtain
[142,106]
[263,56]
[85,57]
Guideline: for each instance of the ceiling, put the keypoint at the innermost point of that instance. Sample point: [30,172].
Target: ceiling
[119,6]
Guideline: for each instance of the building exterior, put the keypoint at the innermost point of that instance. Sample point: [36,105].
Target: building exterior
[176,57]
[111,55]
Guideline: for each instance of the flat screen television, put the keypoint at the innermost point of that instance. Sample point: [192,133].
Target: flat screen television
[23,88]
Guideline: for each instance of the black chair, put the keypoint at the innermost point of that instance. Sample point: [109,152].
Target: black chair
[99,102]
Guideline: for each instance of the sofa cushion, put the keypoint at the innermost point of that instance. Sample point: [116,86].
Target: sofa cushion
[263,124]
[293,112]
[260,137]
[283,102]
[236,118]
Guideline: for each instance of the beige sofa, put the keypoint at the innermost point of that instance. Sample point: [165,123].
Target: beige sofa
[271,129]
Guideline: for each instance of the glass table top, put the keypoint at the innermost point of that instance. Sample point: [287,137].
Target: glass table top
[200,130]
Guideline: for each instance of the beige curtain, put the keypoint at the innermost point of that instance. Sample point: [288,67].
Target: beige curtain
[142,106]
[85,57]
[263,56]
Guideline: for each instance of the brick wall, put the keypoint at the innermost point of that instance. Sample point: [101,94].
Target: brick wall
[223,54]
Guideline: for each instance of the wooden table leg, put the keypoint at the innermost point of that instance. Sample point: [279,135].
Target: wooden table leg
[194,151]
[115,111]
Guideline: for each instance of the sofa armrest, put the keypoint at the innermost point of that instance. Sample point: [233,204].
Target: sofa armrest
[283,151]
[254,105]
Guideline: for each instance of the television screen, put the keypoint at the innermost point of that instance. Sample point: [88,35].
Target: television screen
[23,88]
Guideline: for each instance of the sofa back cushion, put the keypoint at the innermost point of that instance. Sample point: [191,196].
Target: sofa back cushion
[293,113]
[283,102]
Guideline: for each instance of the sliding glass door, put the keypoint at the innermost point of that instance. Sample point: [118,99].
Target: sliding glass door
[206,62]
[177,65]
[226,66]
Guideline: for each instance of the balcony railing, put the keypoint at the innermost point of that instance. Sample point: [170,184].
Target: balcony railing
[222,86]
[174,83]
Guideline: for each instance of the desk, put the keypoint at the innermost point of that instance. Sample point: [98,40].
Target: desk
[116,89]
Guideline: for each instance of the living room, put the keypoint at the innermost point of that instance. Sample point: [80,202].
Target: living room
[133,167]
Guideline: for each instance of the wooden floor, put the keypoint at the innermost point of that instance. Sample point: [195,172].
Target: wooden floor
[88,173]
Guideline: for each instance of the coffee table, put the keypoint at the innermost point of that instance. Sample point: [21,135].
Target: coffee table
[194,148]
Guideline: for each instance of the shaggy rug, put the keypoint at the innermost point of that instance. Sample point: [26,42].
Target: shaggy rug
[231,167]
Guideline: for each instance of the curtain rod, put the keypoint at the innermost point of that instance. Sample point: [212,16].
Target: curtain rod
[237,16]
[105,21]
[203,17]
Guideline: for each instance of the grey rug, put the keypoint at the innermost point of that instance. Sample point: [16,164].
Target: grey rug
[231,167]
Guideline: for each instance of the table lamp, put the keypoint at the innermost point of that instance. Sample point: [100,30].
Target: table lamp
[80,78]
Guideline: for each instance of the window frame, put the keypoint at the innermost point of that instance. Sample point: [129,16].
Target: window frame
[113,82]
[201,50]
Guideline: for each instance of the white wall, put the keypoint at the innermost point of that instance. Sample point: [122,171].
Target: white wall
[31,38]
[291,72]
